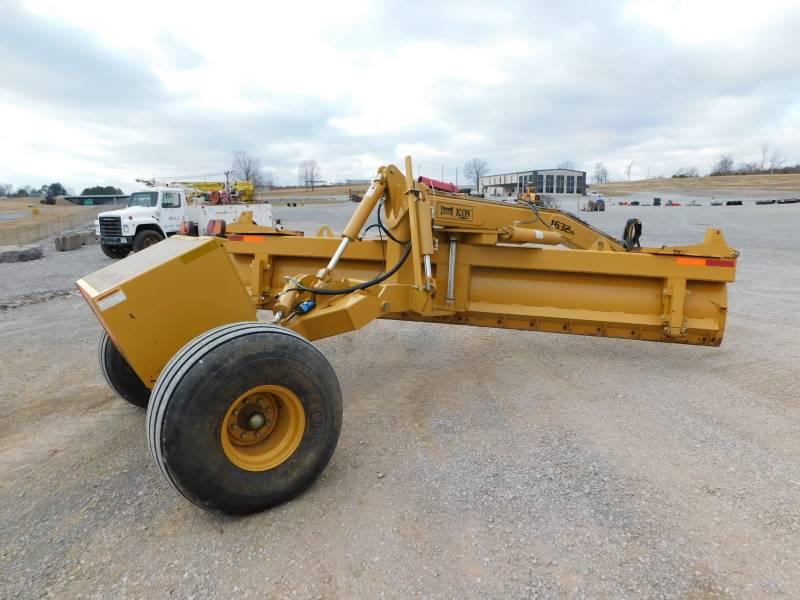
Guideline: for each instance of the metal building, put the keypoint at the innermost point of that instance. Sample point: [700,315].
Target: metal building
[550,182]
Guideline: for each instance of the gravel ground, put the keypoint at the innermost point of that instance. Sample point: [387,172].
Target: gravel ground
[485,464]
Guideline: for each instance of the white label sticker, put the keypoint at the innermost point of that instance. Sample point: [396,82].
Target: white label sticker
[539,234]
[112,300]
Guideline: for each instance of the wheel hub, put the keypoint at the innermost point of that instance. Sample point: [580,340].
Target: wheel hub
[262,428]
[254,419]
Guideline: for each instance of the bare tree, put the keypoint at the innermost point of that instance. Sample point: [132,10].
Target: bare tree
[764,154]
[247,167]
[567,164]
[628,170]
[686,172]
[475,169]
[724,166]
[6,189]
[747,168]
[308,171]
[600,173]
[776,160]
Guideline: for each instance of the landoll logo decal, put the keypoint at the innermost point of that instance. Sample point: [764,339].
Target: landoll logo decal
[461,213]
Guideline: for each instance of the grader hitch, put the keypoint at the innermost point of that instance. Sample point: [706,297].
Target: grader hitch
[243,415]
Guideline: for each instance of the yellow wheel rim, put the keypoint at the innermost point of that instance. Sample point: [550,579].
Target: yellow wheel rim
[263,427]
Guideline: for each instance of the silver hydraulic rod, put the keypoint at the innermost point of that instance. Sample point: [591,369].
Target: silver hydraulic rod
[426,261]
[451,272]
[356,223]
[323,273]
[338,254]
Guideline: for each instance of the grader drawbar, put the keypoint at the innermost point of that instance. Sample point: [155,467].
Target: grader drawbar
[242,414]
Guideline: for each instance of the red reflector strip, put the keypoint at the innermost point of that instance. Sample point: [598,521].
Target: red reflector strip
[713,262]
[235,237]
[705,262]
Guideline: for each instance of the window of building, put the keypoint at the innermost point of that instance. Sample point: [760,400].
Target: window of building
[581,185]
[570,184]
[540,184]
[549,184]
[559,184]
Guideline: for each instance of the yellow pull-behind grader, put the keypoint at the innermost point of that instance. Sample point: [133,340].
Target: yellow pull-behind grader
[242,415]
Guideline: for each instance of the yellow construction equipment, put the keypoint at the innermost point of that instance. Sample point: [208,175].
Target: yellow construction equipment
[243,415]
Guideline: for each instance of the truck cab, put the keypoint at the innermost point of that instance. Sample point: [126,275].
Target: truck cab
[157,212]
[151,216]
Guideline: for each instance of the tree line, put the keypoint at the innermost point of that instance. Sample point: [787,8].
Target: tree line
[49,192]
[46,191]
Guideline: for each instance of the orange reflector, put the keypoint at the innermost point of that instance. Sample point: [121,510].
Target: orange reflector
[705,262]
[184,228]
[697,262]
[235,237]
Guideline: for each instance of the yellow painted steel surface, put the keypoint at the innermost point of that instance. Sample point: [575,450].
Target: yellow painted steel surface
[469,262]
[583,292]
[156,300]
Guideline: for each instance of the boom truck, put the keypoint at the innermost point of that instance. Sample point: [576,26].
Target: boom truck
[245,414]
[157,212]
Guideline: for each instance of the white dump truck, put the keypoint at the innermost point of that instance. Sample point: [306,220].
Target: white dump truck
[157,213]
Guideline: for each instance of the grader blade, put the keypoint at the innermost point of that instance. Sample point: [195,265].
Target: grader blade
[244,415]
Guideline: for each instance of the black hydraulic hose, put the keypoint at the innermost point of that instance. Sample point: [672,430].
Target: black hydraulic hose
[386,231]
[360,286]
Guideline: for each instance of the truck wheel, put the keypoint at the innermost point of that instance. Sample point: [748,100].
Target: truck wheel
[145,239]
[244,417]
[115,251]
[119,374]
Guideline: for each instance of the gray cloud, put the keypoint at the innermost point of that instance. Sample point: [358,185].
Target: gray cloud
[46,64]
[592,86]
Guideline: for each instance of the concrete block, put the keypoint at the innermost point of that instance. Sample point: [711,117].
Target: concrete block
[88,238]
[65,243]
[20,253]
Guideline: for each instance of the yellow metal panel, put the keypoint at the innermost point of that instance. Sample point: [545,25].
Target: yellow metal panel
[156,300]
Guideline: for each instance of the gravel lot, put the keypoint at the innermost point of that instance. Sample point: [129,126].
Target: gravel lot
[472,463]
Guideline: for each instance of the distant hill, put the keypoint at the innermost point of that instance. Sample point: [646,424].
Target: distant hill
[762,183]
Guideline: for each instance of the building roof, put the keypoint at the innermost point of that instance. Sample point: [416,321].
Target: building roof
[533,171]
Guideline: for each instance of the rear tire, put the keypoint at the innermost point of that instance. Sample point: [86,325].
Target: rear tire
[120,376]
[145,239]
[115,252]
[215,458]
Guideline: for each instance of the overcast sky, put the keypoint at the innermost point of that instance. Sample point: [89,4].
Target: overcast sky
[99,92]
